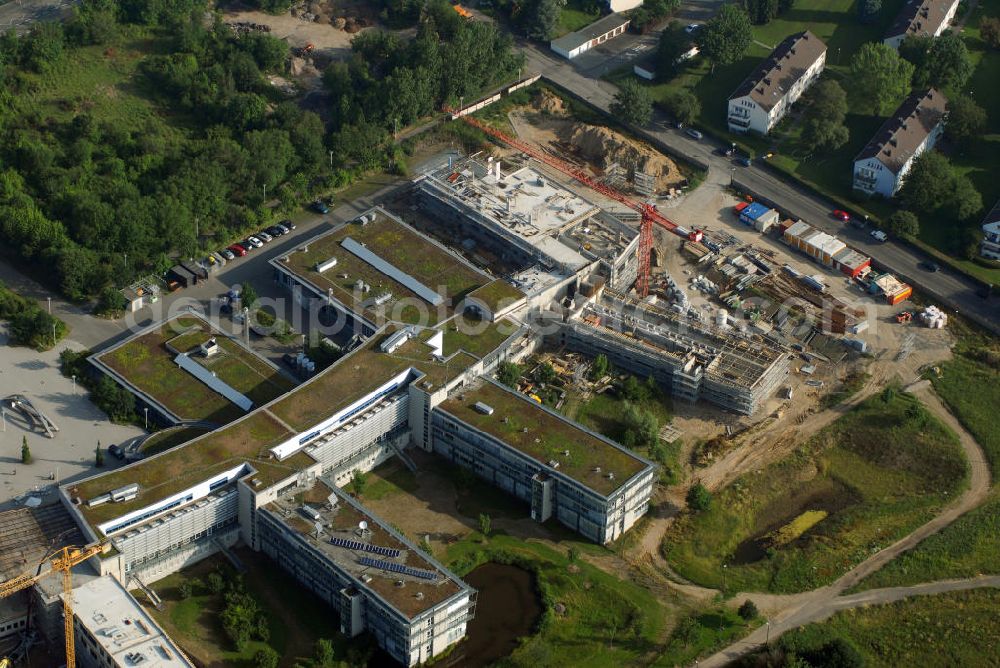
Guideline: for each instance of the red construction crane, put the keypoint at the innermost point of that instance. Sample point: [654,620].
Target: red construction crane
[648,212]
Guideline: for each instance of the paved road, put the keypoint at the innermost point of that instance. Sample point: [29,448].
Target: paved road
[949,287]
[795,610]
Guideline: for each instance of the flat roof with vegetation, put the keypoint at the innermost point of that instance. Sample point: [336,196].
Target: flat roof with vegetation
[402,247]
[145,362]
[250,438]
[547,438]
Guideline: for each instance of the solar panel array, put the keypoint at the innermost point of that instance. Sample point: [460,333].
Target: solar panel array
[390,552]
[398,568]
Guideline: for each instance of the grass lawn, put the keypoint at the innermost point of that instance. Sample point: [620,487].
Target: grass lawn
[702,633]
[575,15]
[879,472]
[389,479]
[608,621]
[296,618]
[168,438]
[970,385]
[955,629]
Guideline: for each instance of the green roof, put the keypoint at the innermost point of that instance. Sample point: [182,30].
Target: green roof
[498,295]
[146,362]
[399,245]
[477,337]
[547,437]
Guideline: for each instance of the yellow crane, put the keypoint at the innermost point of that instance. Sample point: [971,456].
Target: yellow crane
[62,560]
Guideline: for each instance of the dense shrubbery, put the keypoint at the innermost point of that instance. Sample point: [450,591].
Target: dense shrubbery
[28,324]
[98,202]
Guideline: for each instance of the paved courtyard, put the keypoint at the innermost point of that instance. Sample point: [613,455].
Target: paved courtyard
[68,456]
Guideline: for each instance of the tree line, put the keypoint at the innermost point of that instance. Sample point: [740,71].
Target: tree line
[98,202]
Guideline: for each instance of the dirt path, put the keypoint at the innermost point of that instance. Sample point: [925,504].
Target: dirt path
[791,611]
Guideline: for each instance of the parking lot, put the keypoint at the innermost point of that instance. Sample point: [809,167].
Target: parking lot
[70,454]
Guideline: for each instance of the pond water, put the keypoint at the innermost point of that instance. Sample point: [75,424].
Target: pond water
[507,608]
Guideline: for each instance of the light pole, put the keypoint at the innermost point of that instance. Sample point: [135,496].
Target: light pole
[74,383]
[767,637]
[49,300]
[145,412]
[724,570]
[732,176]
[331,159]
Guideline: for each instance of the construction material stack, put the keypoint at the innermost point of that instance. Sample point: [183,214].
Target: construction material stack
[934,317]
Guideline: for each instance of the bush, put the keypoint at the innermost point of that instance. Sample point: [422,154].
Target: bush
[508,373]
[748,610]
[699,498]
[266,658]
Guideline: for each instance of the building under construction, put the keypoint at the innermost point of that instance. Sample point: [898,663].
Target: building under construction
[549,237]
[719,364]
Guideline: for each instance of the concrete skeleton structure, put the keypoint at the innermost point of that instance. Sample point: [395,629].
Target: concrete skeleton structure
[918,18]
[881,166]
[766,95]
[600,31]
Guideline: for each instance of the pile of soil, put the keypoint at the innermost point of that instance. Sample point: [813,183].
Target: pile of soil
[548,103]
[603,146]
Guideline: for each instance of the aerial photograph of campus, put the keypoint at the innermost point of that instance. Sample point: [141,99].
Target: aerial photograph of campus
[513,333]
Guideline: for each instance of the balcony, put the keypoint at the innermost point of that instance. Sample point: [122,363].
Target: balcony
[740,121]
[865,183]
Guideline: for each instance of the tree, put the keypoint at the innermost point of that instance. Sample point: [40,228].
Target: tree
[868,10]
[824,115]
[837,653]
[485,524]
[761,11]
[674,43]
[641,427]
[903,224]
[632,103]
[266,657]
[879,78]
[683,105]
[44,47]
[114,400]
[25,451]
[989,30]
[631,390]
[358,482]
[965,201]
[748,611]
[508,373]
[98,455]
[699,498]
[545,373]
[966,119]
[726,37]
[542,18]
[216,583]
[185,590]
[932,186]
[948,64]
[324,655]
[914,49]
[572,554]
[248,296]
[110,302]
[599,368]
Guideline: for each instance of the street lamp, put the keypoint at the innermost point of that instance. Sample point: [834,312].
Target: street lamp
[145,411]
[74,383]
[767,637]
[732,176]
[724,569]
[49,300]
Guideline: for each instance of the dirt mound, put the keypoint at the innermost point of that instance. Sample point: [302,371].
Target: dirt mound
[548,103]
[603,147]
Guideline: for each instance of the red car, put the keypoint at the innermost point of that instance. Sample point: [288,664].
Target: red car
[841,215]
[238,250]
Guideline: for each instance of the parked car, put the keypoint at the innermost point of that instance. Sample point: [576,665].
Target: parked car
[319,206]
[275,231]
[116,452]
[692,28]
[288,224]
[745,161]
[930,266]
[255,242]
[879,235]
[265,237]
[228,254]
[841,215]
[694,134]
[237,250]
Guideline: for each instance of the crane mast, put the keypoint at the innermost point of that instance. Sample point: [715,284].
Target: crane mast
[649,216]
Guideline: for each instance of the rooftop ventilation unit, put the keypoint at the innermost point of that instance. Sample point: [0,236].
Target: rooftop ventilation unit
[485,409]
[326,265]
[126,493]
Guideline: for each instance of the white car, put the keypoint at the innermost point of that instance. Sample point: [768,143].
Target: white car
[879,235]
[692,28]
[265,237]
[257,243]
